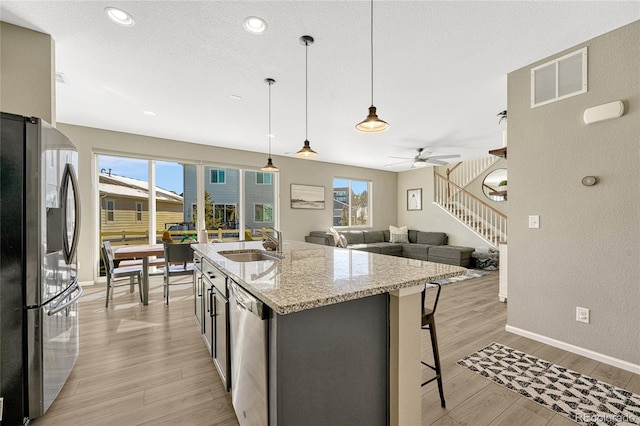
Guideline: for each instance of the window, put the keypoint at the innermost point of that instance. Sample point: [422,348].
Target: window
[263,178]
[351,200]
[217,176]
[138,212]
[225,215]
[263,212]
[110,211]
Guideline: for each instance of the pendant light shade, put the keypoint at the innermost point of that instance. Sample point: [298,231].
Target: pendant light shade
[372,124]
[269,167]
[306,151]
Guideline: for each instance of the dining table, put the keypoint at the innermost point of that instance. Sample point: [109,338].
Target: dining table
[144,252]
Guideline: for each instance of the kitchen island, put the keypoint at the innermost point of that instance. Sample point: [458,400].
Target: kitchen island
[343,331]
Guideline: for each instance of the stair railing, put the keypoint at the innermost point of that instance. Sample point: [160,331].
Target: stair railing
[463,173]
[476,214]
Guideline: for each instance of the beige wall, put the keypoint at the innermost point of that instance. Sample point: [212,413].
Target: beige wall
[294,223]
[587,250]
[27,72]
[432,217]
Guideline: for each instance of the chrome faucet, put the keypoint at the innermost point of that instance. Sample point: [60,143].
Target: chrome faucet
[274,240]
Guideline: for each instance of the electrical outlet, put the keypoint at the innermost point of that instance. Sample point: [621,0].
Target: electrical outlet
[582,314]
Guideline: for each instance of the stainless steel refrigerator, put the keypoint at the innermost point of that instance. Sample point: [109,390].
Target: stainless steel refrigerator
[39,225]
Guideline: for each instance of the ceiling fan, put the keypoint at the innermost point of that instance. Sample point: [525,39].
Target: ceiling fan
[423,159]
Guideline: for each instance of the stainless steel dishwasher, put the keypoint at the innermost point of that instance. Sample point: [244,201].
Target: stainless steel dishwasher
[248,356]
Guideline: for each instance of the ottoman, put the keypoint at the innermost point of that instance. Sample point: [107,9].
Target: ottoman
[451,255]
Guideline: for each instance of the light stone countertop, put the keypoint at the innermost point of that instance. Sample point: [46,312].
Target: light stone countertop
[310,275]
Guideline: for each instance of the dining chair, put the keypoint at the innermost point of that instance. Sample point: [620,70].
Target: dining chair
[178,260]
[113,273]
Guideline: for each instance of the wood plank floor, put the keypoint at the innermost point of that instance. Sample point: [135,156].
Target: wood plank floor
[147,365]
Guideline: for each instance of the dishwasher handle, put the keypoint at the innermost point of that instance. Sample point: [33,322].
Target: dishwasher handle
[246,302]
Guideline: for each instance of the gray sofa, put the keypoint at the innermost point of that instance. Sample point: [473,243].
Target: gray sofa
[430,246]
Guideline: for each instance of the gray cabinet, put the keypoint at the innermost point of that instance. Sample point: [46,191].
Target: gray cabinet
[212,313]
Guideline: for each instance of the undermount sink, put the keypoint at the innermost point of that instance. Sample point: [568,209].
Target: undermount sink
[248,255]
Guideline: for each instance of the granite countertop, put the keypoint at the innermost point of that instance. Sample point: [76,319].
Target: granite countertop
[310,275]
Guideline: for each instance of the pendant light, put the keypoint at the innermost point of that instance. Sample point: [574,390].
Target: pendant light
[269,167]
[372,124]
[306,151]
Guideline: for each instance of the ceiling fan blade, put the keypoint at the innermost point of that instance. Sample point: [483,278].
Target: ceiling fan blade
[404,158]
[432,161]
[422,154]
[395,164]
[437,157]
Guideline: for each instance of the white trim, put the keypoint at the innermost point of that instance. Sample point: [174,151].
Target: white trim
[86,283]
[625,365]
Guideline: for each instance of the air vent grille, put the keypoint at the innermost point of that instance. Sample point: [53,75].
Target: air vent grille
[559,79]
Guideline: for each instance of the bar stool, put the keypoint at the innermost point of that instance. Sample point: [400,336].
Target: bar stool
[429,323]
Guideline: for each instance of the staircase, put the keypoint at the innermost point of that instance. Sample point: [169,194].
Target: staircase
[487,222]
[463,173]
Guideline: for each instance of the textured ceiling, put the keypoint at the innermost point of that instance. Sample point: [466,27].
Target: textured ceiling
[440,69]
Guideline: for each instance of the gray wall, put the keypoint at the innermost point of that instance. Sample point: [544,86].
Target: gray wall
[294,223]
[28,67]
[587,250]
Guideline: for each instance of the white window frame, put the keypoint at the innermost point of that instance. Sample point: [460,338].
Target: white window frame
[264,174]
[254,212]
[138,212]
[217,171]
[369,223]
[107,211]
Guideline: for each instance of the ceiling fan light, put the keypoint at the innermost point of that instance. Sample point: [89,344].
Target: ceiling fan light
[372,124]
[269,167]
[306,151]
[420,163]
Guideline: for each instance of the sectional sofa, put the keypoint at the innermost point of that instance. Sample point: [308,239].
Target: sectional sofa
[430,246]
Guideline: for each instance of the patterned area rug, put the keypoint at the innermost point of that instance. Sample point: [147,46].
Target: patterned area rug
[581,398]
[471,273]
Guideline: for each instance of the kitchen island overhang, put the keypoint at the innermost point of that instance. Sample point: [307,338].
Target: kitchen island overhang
[345,329]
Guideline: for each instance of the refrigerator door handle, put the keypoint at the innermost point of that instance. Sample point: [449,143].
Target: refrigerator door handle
[57,308]
[70,247]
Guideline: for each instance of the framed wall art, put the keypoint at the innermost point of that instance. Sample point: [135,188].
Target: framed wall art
[414,199]
[307,197]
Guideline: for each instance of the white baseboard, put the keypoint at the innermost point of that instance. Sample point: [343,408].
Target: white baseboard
[86,283]
[625,365]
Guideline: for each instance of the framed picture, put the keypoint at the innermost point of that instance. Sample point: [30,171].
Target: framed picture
[414,199]
[307,197]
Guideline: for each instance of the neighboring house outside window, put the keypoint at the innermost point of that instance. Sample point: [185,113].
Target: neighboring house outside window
[263,178]
[263,212]
[110,211]
[138,212]
[351,201]
[217,176]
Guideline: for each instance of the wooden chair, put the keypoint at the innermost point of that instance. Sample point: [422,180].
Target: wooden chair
[113,273]
[429,323]
[178,260]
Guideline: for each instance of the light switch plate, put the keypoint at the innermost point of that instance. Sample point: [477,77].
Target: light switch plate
[534,221]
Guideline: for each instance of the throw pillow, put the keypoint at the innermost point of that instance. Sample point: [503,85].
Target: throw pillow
[398,234]
[343,241]
[336,236]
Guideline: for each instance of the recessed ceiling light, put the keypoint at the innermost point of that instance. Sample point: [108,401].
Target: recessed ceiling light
[120,17]
[236,97]
[149,113]
[255,25]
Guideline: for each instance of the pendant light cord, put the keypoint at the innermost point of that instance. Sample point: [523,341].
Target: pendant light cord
[269,135]
[371,52]
[306,90]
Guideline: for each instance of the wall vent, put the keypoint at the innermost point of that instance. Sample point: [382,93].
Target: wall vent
[559,79]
